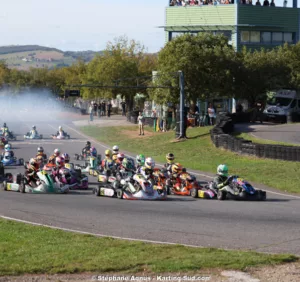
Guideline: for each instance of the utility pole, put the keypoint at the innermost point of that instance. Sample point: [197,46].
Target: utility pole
[182,106]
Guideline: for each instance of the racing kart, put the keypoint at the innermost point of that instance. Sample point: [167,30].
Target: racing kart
[75,178]
[11,161]
[8,135]
[4,176]
[35,135]
[183,184]
[59,135]
[45,184]
[91,166]
[131,188]
[238,189]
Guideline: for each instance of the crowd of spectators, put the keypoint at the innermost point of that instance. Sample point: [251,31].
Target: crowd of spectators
[218,2]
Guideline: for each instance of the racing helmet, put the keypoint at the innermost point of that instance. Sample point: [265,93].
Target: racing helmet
[40,150]
[66,157]
[149,163]
[222,170]
[57,152]
[93,152]
[88,143]
[140,159]
[59,128]
[115,149]
[7,147]
[33,164]
[115,157]
[176,168]
[170,158]
[60,161]
[34,127]
[108,153]
[120,157]
[127,164]
[4,124]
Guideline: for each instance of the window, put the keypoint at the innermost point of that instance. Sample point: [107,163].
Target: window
[266,37]
[288,37]
[277,37]
[245,36]
[255,36]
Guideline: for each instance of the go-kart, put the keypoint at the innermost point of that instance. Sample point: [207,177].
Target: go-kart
[8,135]
[60,135]
[75,178]
[238,189]
[204,193]
[183,184]
[90,166]
[45,184]
[159,178]
[11,161]
[34,135]
[132,188]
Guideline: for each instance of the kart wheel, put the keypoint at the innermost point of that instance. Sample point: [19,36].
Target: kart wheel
[8,176]
[243,195]
[261,195]
[97,191]
[22,186]
[68,136]
[19,178]
[41,136]
[21,161]
[120,194]
[76,157]
[221,195]
[1,169]
[4,185]
[194,193]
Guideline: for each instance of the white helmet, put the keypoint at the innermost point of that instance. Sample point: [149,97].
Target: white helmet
[7,147]
[115,149]
[150,163]
[59,128]
[33,127]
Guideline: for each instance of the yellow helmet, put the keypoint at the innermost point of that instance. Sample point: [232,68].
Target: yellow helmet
[115,157]
[170,158]
[108,153]
[176,168]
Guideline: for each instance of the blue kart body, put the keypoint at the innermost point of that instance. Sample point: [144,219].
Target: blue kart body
[12,161]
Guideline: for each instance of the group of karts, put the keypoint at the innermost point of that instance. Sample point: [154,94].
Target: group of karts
[33,134]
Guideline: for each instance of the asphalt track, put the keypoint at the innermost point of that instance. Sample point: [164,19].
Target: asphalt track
[271,226]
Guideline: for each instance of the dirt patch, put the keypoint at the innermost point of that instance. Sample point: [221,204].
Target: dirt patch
[45,55]
[135,134]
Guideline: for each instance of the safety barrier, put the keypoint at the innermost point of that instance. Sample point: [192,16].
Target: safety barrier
[222,138]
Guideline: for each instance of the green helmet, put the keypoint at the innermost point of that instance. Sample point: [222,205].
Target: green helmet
[222,170]
[127,163]
[140,159]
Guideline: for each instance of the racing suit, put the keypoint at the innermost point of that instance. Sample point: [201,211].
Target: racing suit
[146,172]
[33,133]
[86,149]
[52,159]
[220,181]
[31,175]
[8,153]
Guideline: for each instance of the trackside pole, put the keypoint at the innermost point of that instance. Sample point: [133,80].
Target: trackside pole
[181,108]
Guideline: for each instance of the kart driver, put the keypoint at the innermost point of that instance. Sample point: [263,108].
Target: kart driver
[4,128]
[33,131]
[115,152]
[147,169]
[60,131]
[127,170]
[54,156]
[8,151]
[140,161]
[176,170]
[170,163]
[87,148]
[31,172]
[221,180]
[40,152]
[107,159]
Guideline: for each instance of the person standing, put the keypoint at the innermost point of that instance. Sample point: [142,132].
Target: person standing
[95,105]
[141,122]
[211,113]
[123,104]
[99,109]
[91,112]
[109,106]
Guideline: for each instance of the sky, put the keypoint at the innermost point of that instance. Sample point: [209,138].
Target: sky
[77,25]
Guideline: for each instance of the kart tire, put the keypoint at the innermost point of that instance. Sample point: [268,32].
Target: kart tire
[68,137]
[22,186]
[19,178]
[1,169]
[4,185]
[194,192]
[97,191]
[8,175]
[261,195]
[26,165]
[120,194]
[21,161]
[221,195]
[41,136]
[76,157]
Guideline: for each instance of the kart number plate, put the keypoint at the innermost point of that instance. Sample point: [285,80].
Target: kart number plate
[101,178]
[8,186]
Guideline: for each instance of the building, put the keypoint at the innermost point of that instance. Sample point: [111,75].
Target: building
[244,25]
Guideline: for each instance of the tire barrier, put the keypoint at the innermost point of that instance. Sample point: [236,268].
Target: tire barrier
[221,138]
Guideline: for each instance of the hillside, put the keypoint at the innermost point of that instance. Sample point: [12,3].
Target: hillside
[24,57]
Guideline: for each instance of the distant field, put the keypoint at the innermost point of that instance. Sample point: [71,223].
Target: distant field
[37,59]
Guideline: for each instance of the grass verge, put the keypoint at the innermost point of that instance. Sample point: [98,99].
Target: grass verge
[26,249]
[199,153]
[248,136]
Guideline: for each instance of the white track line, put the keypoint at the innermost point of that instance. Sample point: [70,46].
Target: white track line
[96,234]
[199,174]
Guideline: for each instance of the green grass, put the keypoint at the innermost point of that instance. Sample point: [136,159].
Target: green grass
[39,250]
[248,136]
[199,153]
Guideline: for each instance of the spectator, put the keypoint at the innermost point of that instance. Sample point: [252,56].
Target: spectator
[272,3]
[243,2]
[239,108]
[141,122]
[95,105]
[91,112]
[109,106]
[266,3]
[103,108]
[211,113]
[257,3]
[99,110]
[123,104]
[285,3]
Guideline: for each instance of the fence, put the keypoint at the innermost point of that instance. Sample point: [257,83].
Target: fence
[220,136]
